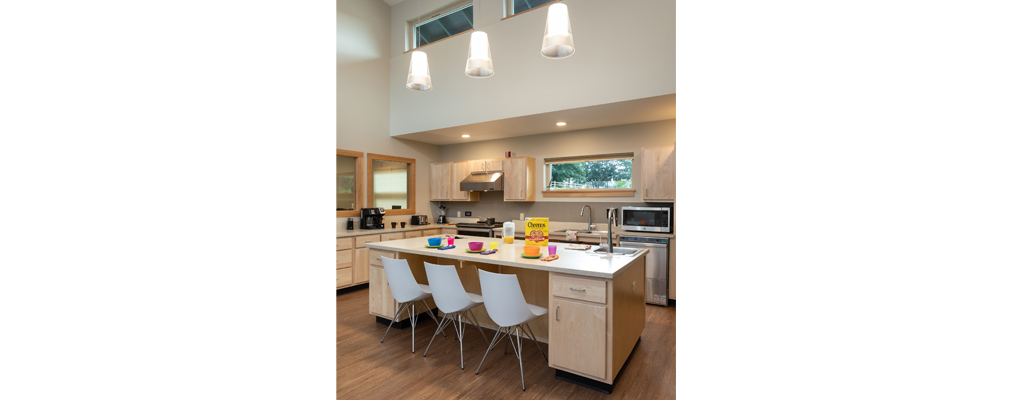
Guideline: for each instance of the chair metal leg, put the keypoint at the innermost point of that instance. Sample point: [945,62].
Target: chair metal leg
[529,333]
[441,326]
[520,351]
[473,320]
[460,317]
[432,315]
[413,323]
[399,309]
[494,341]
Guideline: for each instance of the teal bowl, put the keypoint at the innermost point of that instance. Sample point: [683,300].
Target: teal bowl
[434,241]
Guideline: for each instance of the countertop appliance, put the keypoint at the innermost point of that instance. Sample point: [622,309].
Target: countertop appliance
[371,218]
[481,228]
[647,219]
[441,215]
[419,220]
[657,265]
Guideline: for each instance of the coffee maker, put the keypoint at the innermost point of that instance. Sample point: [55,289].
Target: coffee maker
[371,218]
[441,215]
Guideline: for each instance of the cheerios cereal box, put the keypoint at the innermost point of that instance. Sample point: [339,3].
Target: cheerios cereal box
[536,231]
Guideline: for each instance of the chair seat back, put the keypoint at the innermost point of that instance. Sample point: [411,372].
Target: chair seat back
[446,288]
[401,281]
[503,298]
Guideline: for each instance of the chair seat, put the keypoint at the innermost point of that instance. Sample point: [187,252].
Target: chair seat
[537,310]
[425,293]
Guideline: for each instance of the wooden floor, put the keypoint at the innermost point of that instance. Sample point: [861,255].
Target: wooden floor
[367,369]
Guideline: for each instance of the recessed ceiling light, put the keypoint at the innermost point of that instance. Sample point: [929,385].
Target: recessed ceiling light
[466,136]
[562,123]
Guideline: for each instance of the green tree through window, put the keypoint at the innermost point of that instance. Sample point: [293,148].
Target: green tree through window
[599,174]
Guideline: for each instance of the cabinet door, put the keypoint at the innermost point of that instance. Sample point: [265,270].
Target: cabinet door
[515,179]
[441,175]
[659,173]
[380,300]
[360,265]
[579,337]
[478,165]
[494,164]
[411,234]
[460,170]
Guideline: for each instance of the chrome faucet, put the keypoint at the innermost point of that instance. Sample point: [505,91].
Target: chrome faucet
[581,213]
[611,215]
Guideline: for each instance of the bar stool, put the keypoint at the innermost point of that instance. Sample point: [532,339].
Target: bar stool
[505,304]
[406,291]
[454,301]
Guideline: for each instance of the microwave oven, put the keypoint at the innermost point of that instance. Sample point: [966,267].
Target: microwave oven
[647,219]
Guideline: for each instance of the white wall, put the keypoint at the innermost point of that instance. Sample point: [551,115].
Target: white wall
[611,139]
[623,50]
[363,91]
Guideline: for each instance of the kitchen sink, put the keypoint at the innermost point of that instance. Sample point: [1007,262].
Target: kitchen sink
[621,251]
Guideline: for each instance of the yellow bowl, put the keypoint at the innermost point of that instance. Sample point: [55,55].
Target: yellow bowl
[531,250]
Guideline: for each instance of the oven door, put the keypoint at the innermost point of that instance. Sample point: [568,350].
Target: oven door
[479,232]
[647,219]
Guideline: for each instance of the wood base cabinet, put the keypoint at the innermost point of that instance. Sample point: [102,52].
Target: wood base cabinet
[581,341]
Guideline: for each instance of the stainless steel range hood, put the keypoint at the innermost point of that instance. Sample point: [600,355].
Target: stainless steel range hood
[482,182]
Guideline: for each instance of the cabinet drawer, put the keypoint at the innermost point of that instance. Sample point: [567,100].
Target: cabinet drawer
[431,232]
[392,236]
[344,277]
[572,287]
[373,256]
[345,243]
[361,240]
[411,234]
[345,258]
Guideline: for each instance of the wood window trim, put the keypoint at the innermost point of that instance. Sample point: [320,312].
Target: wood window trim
[589,193]
[359,188]
[411,182]
[534,8]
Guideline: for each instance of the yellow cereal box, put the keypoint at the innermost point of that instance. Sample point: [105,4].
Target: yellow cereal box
[536,232]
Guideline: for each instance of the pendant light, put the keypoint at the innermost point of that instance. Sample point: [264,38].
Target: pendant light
[558,41]
[418,75]
[478,60]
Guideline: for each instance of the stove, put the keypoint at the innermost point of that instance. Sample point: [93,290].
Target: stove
[481,229]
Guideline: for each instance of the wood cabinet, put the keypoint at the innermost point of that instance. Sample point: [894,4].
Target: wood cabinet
[519,179]
[579,337]
[431,232]
[440,178]
[486,165]
[461,170]
[659,174]
[411,234]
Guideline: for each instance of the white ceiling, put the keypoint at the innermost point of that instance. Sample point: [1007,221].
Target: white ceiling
[626,112]
[393,2]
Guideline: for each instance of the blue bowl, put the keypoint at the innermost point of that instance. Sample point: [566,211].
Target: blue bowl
[435,241]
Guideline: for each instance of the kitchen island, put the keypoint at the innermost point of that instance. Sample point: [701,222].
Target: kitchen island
[596,303]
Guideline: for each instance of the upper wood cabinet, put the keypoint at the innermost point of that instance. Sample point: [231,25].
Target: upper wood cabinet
[659,174]
[519,179]
[486,165]
[461,170]
[440,178]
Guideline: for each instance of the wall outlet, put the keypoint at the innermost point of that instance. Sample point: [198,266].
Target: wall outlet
[457,214]
[522,216]
[468,214]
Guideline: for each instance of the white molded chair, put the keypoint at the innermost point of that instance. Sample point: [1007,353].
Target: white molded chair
[505,304]
[454,301]
[406,291]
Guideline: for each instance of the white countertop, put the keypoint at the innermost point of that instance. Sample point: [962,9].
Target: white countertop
[575,262]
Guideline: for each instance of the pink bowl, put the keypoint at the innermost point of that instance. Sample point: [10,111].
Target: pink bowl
[474,246]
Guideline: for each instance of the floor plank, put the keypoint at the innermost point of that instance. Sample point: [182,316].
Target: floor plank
[367,369]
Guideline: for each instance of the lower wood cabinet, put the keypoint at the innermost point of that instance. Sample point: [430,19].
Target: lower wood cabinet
[380,300]
[579,337]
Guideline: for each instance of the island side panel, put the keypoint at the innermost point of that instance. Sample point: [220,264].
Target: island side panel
[627,314]
[380,299]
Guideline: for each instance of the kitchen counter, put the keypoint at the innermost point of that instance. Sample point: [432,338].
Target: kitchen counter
[388,229]
[573,262]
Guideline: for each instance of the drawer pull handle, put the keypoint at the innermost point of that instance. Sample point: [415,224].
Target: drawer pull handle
[578,290]
[556,311]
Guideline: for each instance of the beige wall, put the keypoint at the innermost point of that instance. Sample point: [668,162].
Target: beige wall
[611,139]
[623,50]
[363,91]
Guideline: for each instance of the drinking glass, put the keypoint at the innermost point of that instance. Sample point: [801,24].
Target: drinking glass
[451,240]
[494,245]
[551,249]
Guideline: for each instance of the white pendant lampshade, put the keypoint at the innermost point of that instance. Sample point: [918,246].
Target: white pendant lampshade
[558,41]
[418,77]
[478,62]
